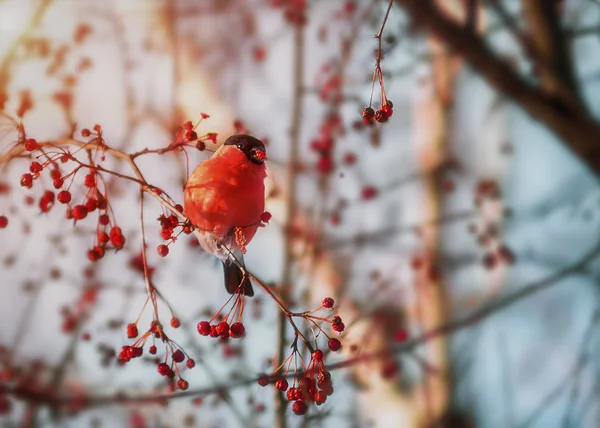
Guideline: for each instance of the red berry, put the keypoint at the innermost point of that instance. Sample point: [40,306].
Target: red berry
[191,135]
[35,167]
[368,192]
[368,113]
[79,212]
[124,354]
[3,221]
[163,250]
[191,363]
[291,394]
[175,323]
[163,369]
[237,330]
[178,356]
[204,328]
[263,380]
[104,219]
[265,217]
[116,237]
[55,174]
[183,384]
[58,183]
[506,254]
[299,407]
[317,355]
[320,397]
[103,237]
[325,164]
[85,132]
[91,204]
[222,328]
[335,345]
[328,302]
[152,350]
[27,180]
[281,384]
[90,180]
[31,145]
[339,327]
[380,116]
[132,330]
[388,110]
[200,146]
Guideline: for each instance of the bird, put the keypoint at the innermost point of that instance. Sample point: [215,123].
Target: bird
[224,199]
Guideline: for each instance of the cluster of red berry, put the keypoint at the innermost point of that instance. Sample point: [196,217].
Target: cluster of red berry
[487,231]
[177,355]
[94,199]
[312,383]
[382,115]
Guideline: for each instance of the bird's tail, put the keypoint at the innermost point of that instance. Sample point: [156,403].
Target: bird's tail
[235,279]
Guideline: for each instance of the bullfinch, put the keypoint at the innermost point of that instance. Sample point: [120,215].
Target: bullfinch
[225,196]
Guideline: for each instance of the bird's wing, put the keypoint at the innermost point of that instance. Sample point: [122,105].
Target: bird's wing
[206,209]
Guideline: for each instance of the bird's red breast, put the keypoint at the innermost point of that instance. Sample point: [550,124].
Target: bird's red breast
[224,192]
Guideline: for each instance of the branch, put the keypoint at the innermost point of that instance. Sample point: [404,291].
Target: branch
[573,124]
[49,398]
[555,66]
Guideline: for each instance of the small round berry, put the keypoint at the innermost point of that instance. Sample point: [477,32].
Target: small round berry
[27,180]
[35,167]
[335,345]
[55,174]
[104,219]
[265,217]
[204,328]
[368,113]
[320,397]
[178,356]
[152,350]
[163,369]
[380,116]
[191,135]
[339,327]
[191,363]
[132,330]
[328,302]
[90,180]
[281,384]
[387,109]
[86,132]
[3,221]
[299,407]
[222,328]
[183,384]
[237,330]
[58,183]
[175,323]
[317,355]
[263,380]
[31,145]
[200,146]
[163,250]
[91,204]
[291,394]
[103,237]
[79,212]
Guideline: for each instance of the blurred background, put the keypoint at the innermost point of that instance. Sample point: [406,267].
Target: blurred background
[459,238]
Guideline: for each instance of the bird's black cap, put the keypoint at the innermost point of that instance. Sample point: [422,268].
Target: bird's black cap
[253,148]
